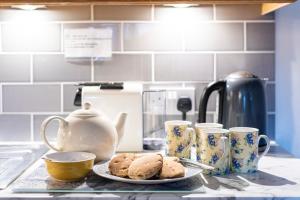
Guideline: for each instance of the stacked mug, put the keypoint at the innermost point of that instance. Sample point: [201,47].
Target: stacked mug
[233,150]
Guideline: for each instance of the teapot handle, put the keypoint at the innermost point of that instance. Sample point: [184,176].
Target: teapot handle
[62,122]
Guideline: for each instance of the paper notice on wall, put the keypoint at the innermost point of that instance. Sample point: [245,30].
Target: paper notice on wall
[88,42]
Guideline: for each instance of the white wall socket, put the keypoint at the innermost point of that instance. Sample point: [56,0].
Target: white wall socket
[155,102]
[172,96]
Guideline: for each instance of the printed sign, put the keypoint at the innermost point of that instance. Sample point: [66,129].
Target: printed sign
[88,42]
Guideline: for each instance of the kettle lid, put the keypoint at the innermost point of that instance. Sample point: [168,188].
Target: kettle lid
[241,74]
[86,111]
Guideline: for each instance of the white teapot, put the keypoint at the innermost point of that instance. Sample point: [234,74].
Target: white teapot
[87,130]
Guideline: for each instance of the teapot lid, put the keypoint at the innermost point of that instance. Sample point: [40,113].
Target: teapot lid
[240,74]
[86,111]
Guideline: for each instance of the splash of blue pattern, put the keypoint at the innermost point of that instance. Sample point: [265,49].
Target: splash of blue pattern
[211,140]
[233,142]
[252,156]
[236,163]
[180,148]
[214,158]
[249,138]
[176,131]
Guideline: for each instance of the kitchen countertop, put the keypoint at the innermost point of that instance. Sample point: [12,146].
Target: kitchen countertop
[15,158]
[278,177]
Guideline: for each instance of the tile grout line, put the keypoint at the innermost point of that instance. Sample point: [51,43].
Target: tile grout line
[31,128]
[66,113]
[1,98]
[245,36]
[31,68]
[216,112]
[37,83]
[183,42]
[142,21]
[122,37]
[1,47]
[92,12]
[208,112]
[217,98]
[152,12]
[143,82]
[193,52]
[35,113]
[62,38]
[92,70]
[214,12]
[146,52]
[152,68]
[61,98]
[215,66]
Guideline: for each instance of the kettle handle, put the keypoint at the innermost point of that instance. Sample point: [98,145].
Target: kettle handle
[214,86]
[62,122]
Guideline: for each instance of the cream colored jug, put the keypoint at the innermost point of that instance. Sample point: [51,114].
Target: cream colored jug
[87,130]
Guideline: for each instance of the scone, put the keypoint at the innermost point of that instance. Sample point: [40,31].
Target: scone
[138,155]
[171,168]
[145,167]
[119,165]
[174,158]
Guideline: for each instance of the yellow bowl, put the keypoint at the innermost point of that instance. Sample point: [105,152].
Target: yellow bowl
[69,166]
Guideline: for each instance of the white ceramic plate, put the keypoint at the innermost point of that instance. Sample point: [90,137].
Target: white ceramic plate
[102,170]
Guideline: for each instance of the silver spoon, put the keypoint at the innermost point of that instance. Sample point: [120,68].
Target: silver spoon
[195,164]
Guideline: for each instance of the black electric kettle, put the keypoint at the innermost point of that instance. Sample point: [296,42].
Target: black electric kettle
[241,101]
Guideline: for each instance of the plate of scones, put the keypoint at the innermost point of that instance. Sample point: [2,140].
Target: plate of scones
[148,168]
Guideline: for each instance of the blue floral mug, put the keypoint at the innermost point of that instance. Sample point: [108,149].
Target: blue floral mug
[244,149]
[199,127]
[213,149]
[179,138]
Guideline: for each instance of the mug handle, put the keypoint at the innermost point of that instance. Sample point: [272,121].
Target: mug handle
[225,145]
[266,138]
[62,122]
[192,137]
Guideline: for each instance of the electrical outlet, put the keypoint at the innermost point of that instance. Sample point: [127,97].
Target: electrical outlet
[155,102]
[172,96]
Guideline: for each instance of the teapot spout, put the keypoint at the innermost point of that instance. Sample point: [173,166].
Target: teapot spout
[120,125]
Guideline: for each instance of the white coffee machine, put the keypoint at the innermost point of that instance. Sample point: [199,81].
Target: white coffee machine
[112,98]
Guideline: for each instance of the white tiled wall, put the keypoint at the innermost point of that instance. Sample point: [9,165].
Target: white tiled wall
[151,44]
